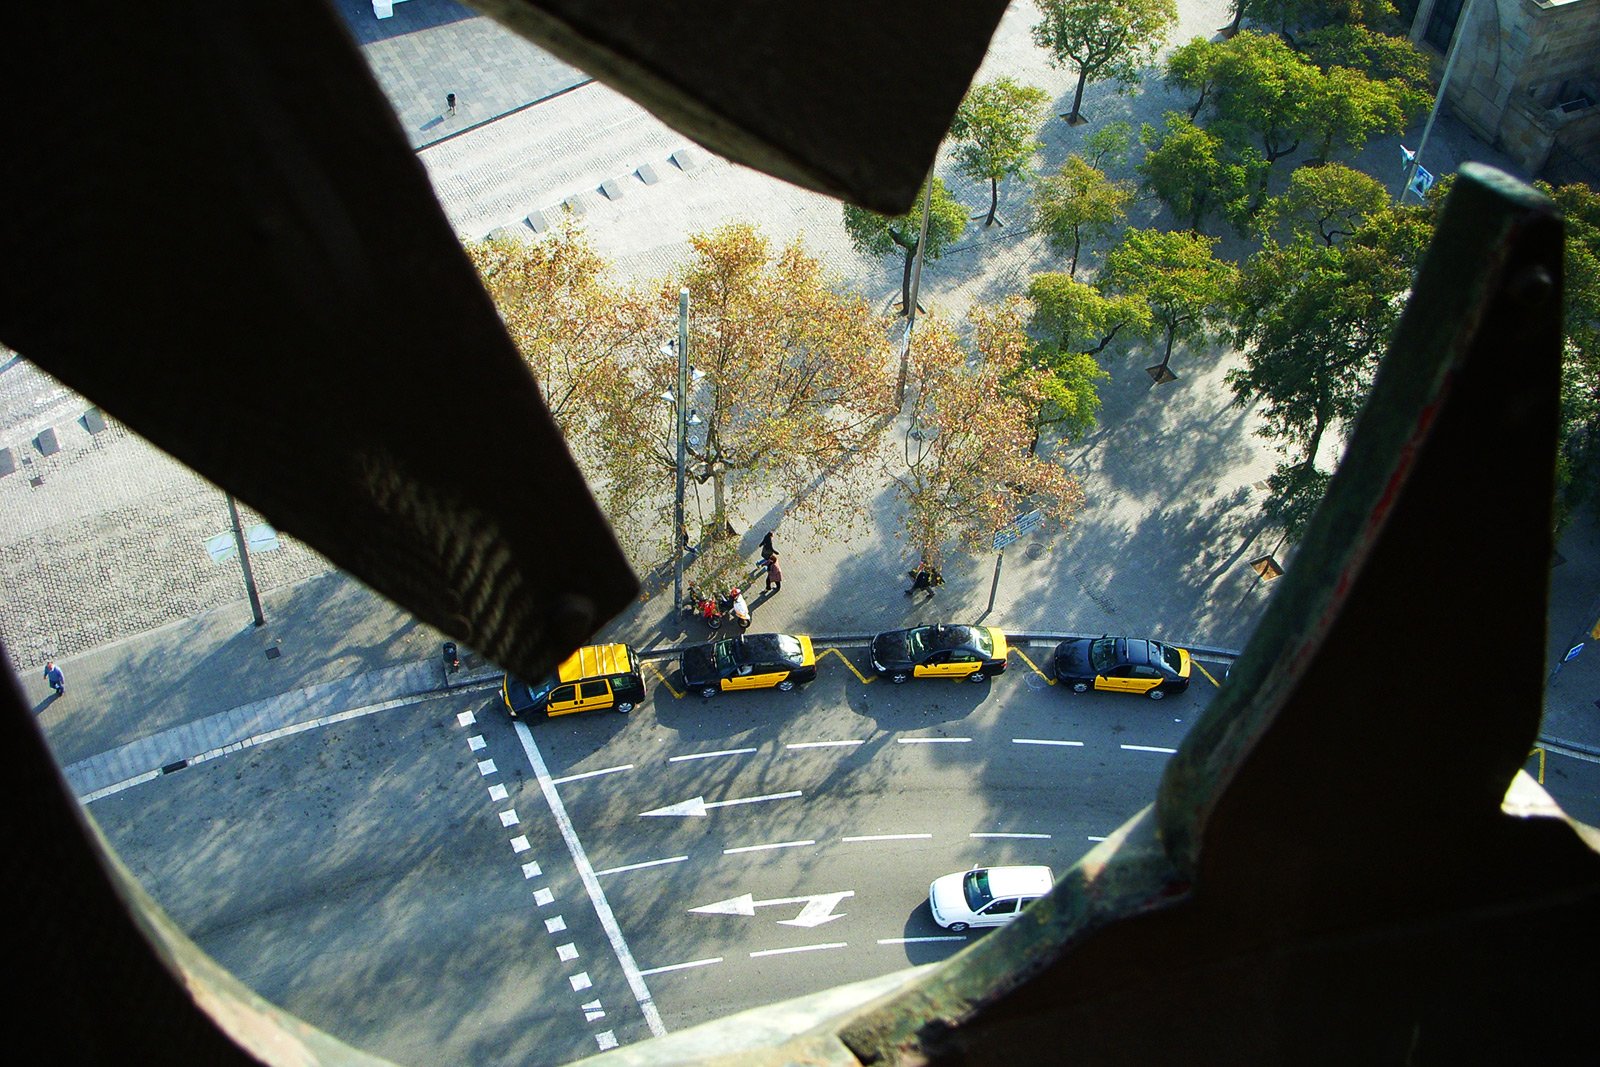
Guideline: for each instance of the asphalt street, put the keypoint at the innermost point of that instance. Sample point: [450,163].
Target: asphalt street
[661,869]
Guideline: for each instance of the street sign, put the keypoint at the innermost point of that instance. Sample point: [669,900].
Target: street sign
[1014,529]
[1572,653]
[1421,181]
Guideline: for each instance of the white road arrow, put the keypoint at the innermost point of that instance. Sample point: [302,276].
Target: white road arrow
[818,907]
[698,806]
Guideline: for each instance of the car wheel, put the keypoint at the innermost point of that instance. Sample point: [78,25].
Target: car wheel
[709,691]
[976,676]
[1157,693]
[785,686]
[957,928]
[898,677]
[1080,687]
[624,707]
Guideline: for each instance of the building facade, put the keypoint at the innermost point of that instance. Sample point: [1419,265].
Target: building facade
[1527,78]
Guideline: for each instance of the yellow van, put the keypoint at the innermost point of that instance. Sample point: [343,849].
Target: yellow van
[593,678]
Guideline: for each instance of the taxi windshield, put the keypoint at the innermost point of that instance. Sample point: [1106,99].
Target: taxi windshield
[976,888]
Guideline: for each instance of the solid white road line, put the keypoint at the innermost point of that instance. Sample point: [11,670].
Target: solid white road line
[1044,741]
[591,774]
[799,948]
[639,866]
[890,837]
[709,755]
[823,744]
[763,848]
[683,966]
[1147,748]
[591,883]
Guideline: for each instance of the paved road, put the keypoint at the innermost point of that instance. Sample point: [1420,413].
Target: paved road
[343,870]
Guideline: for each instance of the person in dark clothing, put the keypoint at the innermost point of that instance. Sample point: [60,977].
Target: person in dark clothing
[450,102]
[774,574]
[53,675]
[924,577]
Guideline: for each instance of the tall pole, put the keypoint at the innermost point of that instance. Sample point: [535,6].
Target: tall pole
[683,432]
[1438,98]
[244,561]
[916,280]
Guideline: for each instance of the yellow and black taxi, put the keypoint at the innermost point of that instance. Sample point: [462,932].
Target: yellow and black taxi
[1122,665]
[749,661]
[594,678]
[942,651]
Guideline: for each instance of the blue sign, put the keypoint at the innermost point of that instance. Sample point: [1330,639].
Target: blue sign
[1572,652]
[1421,182]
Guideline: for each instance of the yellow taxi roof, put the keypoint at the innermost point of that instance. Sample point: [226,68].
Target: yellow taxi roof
[594,661]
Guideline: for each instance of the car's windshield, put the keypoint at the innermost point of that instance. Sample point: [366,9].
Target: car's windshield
[541,690]
[1103,654]
[1168,655]
[724,654]
[976,888]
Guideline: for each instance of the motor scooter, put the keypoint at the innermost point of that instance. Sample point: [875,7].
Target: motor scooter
[698,604]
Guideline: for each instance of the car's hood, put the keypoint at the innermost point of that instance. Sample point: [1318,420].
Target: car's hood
[1073,657]
[890,647]
[699,664]
[947,900]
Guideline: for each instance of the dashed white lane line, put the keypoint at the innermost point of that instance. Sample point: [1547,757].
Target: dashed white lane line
[824,744]
[1026,837]
[799,948]
[763,848]
[1045,741]
[498,792]
[919,940]
[567,952]
[639,866]
[932,740]
[476,742]
[531,870]
[889,837]
[606,1040]
[1147,748]
[580,981]
[520,844]
[591,774]
[555,924]
[711,755]
[486,767]
[683,966]
[591,884]
[509,817]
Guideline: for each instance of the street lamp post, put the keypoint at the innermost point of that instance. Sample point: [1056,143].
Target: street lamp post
[1438,98]
[681,416]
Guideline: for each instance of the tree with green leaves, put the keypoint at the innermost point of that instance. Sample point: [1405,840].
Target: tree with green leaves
[1380,56]
[1263,88]
[1102,39]
[1193,66]
[872,234]
[1073,316]
[1177,274]
[1194,172]
[793,382]
[1347,109]
[1313,319]
[1329,202]
[996,133]
[1578,461]
[966,468]
[1075,203]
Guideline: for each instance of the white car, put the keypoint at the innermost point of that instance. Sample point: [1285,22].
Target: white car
[986,896]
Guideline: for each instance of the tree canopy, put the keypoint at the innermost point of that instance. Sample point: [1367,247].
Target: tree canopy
[1194,171]
[1075,203]
[966,468]
[795,383]
[1329,202]
[872,234]
[996,130]
[1177,274]
[1103,39]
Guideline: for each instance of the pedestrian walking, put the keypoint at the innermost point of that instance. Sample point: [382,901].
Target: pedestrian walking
[767,551]
[924,578]
[53,675]
[774,574]
[450,102]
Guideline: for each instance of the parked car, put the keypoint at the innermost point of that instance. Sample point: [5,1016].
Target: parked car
[594,678]
[1122,665]
[749,661]
[942,651]
[986,896]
